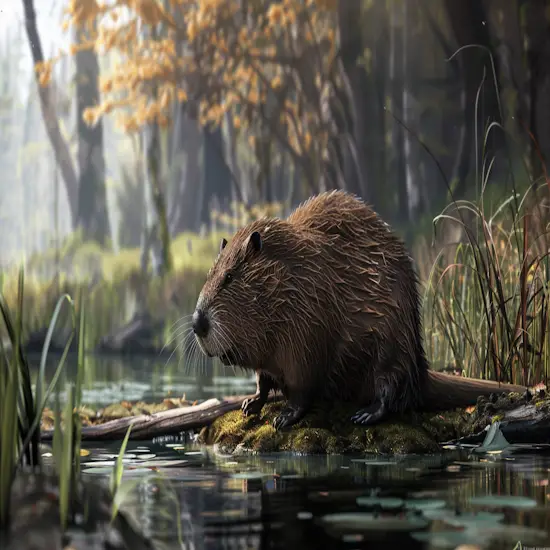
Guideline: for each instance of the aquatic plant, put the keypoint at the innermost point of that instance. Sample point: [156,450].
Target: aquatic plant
[21,410]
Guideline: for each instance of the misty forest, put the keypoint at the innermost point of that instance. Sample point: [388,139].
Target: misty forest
[137,134]
[142,132]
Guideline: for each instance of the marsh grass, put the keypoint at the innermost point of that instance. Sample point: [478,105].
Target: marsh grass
[113,283]
[21,410]
[114,287]
[486,311]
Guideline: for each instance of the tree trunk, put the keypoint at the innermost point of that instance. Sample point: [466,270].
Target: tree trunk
[537,30]
[351,139]
[468,21]
[410,113]
[93,215]
[398,176]
[60,147]
[156,188]
[507,28]
[216,177]
[192,141]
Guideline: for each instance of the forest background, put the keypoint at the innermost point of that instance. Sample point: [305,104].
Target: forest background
[136,133]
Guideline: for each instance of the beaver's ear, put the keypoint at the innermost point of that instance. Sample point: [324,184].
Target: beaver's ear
[223,244]
[255,242]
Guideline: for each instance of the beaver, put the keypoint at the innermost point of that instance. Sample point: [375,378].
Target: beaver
[325,304]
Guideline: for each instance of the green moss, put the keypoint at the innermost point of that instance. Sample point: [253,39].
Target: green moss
[330,430]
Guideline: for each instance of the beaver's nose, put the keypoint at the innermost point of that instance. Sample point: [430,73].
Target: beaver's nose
[200,323]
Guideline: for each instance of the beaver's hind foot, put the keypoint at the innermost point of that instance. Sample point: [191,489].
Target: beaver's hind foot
[253,405]
[370,415]
[289,416]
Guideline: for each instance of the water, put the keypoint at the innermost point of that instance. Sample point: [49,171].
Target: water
[282,501]
[108,380]
[185,496]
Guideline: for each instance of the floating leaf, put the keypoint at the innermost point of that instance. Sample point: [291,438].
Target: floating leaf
[370,462]
[384,502]
[424,504]
[375,522]
[504,501]
[162,463]
[463,518]
[249,475]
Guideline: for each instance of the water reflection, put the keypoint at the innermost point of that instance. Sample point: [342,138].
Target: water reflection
[186,497]
[110,379]
[287,501]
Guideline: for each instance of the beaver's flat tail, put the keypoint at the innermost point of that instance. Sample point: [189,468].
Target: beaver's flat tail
[445,391]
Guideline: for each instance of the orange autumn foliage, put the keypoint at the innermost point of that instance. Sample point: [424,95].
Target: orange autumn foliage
[266,67]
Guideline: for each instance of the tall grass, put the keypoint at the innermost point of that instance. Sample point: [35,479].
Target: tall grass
[487,311]
[21,409]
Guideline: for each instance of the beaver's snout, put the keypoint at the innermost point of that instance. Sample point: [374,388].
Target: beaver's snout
[201,326]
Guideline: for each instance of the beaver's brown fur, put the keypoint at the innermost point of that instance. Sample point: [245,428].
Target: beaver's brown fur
[325,304]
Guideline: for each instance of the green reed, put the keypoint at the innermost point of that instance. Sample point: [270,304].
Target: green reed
[487,311]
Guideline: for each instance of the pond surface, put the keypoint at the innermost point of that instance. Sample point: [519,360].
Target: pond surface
[110,379]
[188,497]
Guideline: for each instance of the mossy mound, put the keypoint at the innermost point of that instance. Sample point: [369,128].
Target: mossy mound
[324,431]
[328,429]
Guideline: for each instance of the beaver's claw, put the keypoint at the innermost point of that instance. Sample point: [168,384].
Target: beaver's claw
[288,417]
[370,415]
[252,405]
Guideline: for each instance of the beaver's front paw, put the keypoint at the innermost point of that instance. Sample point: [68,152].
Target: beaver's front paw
[371,415]
[288,417]
[252,405]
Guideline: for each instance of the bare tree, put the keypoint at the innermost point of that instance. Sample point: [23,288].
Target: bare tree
[59,145]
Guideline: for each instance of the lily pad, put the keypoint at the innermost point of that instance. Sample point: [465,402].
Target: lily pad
[98,463]
[370,462]
[98,470]
[374,522]
[424,504]
[465,519]
[504,501]
[145,456]
[249,475]
[386,503]
[162,463]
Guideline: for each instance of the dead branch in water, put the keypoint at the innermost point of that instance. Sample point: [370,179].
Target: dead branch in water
[173,421]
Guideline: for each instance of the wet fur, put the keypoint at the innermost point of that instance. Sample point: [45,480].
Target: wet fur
[325,305]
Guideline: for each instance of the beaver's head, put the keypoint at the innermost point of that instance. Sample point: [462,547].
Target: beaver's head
[233,313]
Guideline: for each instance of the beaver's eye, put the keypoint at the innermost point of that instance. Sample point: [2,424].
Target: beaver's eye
[227,278]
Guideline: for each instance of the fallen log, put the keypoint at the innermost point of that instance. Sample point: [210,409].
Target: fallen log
[173,421]
[526,424]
